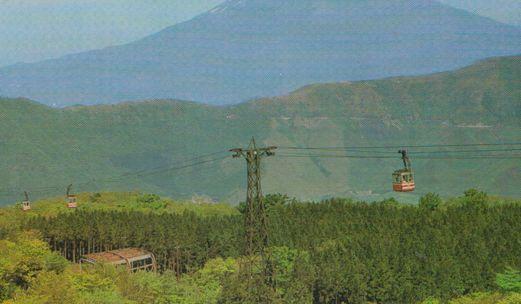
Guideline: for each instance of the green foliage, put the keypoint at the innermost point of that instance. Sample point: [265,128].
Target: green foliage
[431,301]
[22,259]
[48,288]
[510,280]
[478,298]
[146,287]
[389,254]
[430,201]
[294,274]
[241,287]
[270,201]
[275,200]
[389,203]
[335,251]
[481,298]
[96,285]
[514,298]
[476,197]
[204,286]
[103,297]
[148,198]
[293,277]
[11,217]
[341,275]
[56,263]
[95,197]
[98,278]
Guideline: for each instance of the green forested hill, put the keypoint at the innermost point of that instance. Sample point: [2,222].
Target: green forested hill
[44,147]
[334,251]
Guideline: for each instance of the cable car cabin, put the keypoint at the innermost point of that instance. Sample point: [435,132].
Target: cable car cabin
[71,201]
[26,205]
[133,259]
[403,181]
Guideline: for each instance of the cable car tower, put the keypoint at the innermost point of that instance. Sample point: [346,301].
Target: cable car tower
[71,198]
[255,218]
[26,204]
[403,179]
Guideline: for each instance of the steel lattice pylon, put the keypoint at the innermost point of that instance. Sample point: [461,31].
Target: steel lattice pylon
[255,218]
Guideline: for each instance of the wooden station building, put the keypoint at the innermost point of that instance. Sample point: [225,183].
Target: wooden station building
[133,259]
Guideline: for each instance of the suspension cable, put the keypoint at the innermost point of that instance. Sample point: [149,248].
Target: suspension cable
[402,146]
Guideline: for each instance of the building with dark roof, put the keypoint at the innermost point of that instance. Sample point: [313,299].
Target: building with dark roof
[133,259]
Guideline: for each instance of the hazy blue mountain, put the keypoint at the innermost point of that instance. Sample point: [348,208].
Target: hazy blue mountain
[249,48]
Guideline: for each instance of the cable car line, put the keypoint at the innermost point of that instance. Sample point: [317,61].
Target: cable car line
[162,170]
[161,167]
[401,146]
[466,151]
[141,173]
[53,188]
[372,153]
[510,156]
[424,152]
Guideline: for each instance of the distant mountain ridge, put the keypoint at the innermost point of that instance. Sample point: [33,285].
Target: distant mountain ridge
[245,49]
[46,147]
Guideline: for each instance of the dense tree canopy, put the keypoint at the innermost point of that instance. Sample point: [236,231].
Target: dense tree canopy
[335,251]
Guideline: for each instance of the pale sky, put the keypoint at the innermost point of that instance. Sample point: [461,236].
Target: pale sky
[33,30]
[507,11]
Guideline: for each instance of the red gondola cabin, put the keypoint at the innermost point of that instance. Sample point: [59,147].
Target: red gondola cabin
[403,179]
[71,201]
[26,204]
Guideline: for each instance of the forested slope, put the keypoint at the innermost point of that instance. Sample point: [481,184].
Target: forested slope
[44,148]
[335,251]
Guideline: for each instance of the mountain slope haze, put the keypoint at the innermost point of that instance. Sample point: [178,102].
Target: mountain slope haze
[86,145]
[244,49]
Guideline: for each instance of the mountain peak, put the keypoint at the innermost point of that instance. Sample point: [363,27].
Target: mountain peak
[243,49]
